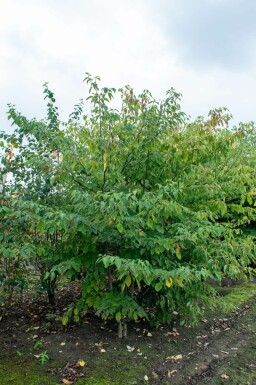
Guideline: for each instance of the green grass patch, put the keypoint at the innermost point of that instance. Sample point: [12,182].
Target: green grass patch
[231,299]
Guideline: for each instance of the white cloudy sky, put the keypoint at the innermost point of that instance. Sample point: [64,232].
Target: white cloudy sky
[205,49]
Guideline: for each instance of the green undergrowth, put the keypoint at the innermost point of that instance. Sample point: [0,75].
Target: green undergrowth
[232,297]
[119,368]
[16,372]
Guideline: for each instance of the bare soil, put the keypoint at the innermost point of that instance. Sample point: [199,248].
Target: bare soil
[221,349]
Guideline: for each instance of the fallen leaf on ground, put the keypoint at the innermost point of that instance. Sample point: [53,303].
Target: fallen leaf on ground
[175,358]
[174,334]
[81,363]
[224,376]
[170,373]
[66,382]
[154,375]
[130,348]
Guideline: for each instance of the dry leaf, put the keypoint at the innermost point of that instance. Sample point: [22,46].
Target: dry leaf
[66,382]
[224,376]
[154,375]
[170,373]
[130,348]
[175,358]
[174,334]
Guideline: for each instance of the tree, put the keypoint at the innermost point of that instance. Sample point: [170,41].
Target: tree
[142,204]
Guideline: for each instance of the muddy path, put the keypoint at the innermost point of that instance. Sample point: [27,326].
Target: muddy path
[224,353]
[221,349]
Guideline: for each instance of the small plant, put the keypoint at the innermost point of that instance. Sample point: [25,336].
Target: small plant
[38,345]
[20,354]
[46,326]
[42,357]
[53,317]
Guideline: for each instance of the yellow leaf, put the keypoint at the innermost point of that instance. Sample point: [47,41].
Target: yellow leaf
[54,154]
[128,281]
[177,252]
[81,363]
[168,282]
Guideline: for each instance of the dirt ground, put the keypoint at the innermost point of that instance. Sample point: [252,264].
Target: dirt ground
[221,349]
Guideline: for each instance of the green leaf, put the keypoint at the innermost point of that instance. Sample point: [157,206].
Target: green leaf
[249,199]
[158,286]
[65,320]
[120,227]
[128,280]
[178,253]
[118,316]
[150,223]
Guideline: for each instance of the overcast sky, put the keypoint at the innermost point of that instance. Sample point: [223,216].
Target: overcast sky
[205,49]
